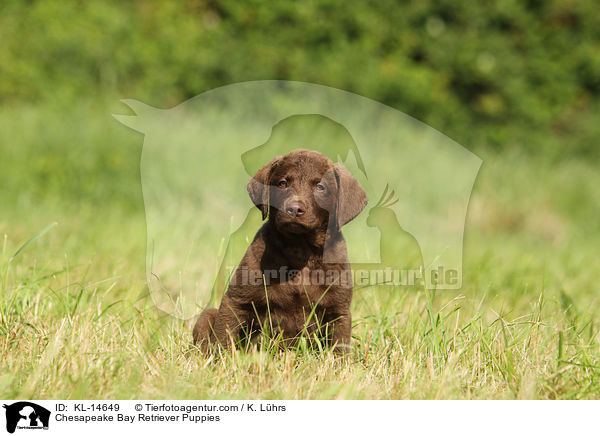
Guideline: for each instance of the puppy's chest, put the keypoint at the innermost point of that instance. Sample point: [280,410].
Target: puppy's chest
[297,279]
[293,300]
[305,279]
[303,286]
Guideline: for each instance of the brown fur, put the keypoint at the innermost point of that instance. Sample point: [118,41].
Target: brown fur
[300,238]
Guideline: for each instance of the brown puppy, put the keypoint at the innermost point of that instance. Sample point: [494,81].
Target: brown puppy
[295,276]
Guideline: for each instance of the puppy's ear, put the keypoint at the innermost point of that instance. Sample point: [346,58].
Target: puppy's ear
[351,198]
[258,187]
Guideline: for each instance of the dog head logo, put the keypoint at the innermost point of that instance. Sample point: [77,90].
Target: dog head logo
[26,415]
[198,157]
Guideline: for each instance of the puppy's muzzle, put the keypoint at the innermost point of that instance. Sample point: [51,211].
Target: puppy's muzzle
[295,209]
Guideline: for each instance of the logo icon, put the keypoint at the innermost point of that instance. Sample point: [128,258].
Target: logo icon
[26,415]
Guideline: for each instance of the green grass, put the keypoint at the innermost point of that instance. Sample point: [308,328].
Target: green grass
[76,320]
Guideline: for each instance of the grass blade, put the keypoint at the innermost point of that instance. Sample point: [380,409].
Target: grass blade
[32,239]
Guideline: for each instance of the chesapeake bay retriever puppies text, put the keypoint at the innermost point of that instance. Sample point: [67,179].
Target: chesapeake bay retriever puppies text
[295,276]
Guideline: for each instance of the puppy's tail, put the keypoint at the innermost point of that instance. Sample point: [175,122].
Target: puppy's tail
[203,329]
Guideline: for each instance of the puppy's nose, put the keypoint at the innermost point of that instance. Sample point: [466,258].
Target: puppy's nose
[295,209]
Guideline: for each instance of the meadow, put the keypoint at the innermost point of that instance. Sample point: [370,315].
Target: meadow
[76,320]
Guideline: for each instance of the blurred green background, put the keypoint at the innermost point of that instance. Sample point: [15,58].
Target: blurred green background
[516,82]
[502,72]
[493,76]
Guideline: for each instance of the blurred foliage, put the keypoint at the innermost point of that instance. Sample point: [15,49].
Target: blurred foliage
[503,73]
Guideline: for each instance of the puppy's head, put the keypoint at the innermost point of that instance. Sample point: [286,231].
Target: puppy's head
[304,192]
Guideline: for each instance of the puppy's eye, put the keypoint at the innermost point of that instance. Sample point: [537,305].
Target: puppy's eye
[320,187]
[282,183]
